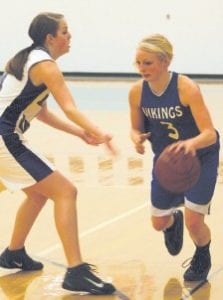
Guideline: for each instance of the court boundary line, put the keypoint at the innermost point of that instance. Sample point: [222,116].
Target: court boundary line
[122,296]
[202,283]
[96,228]
[195,289]
[87,232]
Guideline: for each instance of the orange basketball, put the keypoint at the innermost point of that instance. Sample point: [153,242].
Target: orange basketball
[177,172]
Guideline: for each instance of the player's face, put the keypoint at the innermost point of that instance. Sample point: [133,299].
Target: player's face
[61,42]
[149,65]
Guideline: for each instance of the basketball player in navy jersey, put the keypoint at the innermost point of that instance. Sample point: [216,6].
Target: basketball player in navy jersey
[168,108]
[24,87]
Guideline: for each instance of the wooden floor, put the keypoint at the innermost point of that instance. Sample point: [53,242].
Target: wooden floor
[116,236]
[114,225]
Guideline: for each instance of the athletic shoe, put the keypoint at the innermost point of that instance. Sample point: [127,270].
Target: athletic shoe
[173,236]
[82,279]
[19,259]
[200,265]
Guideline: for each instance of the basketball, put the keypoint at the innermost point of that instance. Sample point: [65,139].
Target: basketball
[177,172]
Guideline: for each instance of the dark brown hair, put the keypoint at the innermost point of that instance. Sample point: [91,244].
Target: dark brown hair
[43,24]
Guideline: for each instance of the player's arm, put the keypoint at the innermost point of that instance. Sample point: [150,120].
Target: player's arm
[50,118]
[137,118]
[47,72]
[190,95]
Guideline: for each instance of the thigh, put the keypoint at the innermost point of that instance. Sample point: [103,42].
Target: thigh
[54,186]
[20,165]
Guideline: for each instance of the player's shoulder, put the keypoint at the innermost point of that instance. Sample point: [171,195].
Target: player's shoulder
[136,89]
[44,71]
[185,82]
[136,85]
[187,86]
[41,59]
[36,56]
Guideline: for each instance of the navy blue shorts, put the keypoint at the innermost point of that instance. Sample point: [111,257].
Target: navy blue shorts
[20,165]
[199,194]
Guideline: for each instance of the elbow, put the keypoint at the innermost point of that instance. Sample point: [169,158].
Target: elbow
[68,113]
[213,136]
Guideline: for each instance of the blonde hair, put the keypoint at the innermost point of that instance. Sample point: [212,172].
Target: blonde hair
[157,43]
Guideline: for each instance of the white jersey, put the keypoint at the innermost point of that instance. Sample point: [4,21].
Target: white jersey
[20,102]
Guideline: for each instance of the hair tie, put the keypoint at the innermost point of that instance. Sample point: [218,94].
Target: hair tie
[33,46]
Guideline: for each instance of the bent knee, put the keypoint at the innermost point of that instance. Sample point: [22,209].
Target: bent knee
[70,192]
[160,223]
[38,200]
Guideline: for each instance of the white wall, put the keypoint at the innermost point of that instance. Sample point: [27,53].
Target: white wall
[105,32]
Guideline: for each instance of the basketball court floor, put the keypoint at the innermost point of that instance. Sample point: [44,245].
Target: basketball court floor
[114,223]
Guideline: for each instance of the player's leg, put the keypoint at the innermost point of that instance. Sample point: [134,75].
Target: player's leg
[31,172]
[15,255]
[172,227]
[25,218]
[21,167]
[166,218]
[197,205]
[197,228]
[200,233]
[63,193]
[79,275]
[162,223]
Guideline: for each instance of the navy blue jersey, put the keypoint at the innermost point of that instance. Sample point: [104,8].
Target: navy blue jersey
[165,117]
[169,121]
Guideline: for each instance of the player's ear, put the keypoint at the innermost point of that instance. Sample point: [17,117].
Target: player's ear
[49,38]
[166,61]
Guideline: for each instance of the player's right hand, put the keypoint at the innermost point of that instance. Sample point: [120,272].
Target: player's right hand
[139,139]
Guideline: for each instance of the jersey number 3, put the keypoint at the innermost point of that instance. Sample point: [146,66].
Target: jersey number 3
[173,132]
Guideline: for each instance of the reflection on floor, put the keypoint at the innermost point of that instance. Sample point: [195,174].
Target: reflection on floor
[132,278]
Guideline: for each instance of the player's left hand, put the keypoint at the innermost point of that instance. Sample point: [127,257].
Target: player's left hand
[186,145]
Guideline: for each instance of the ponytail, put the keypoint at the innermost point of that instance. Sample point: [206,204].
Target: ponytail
[41,25]
[15,65]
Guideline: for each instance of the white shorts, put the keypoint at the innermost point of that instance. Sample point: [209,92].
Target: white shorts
[203,209]
[20,165]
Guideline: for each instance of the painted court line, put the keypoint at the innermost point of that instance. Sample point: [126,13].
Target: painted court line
[202,283]
[97,228]
[118,293]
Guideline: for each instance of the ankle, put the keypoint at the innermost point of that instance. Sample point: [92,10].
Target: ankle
[203,248]
[70,268]
[16,249]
